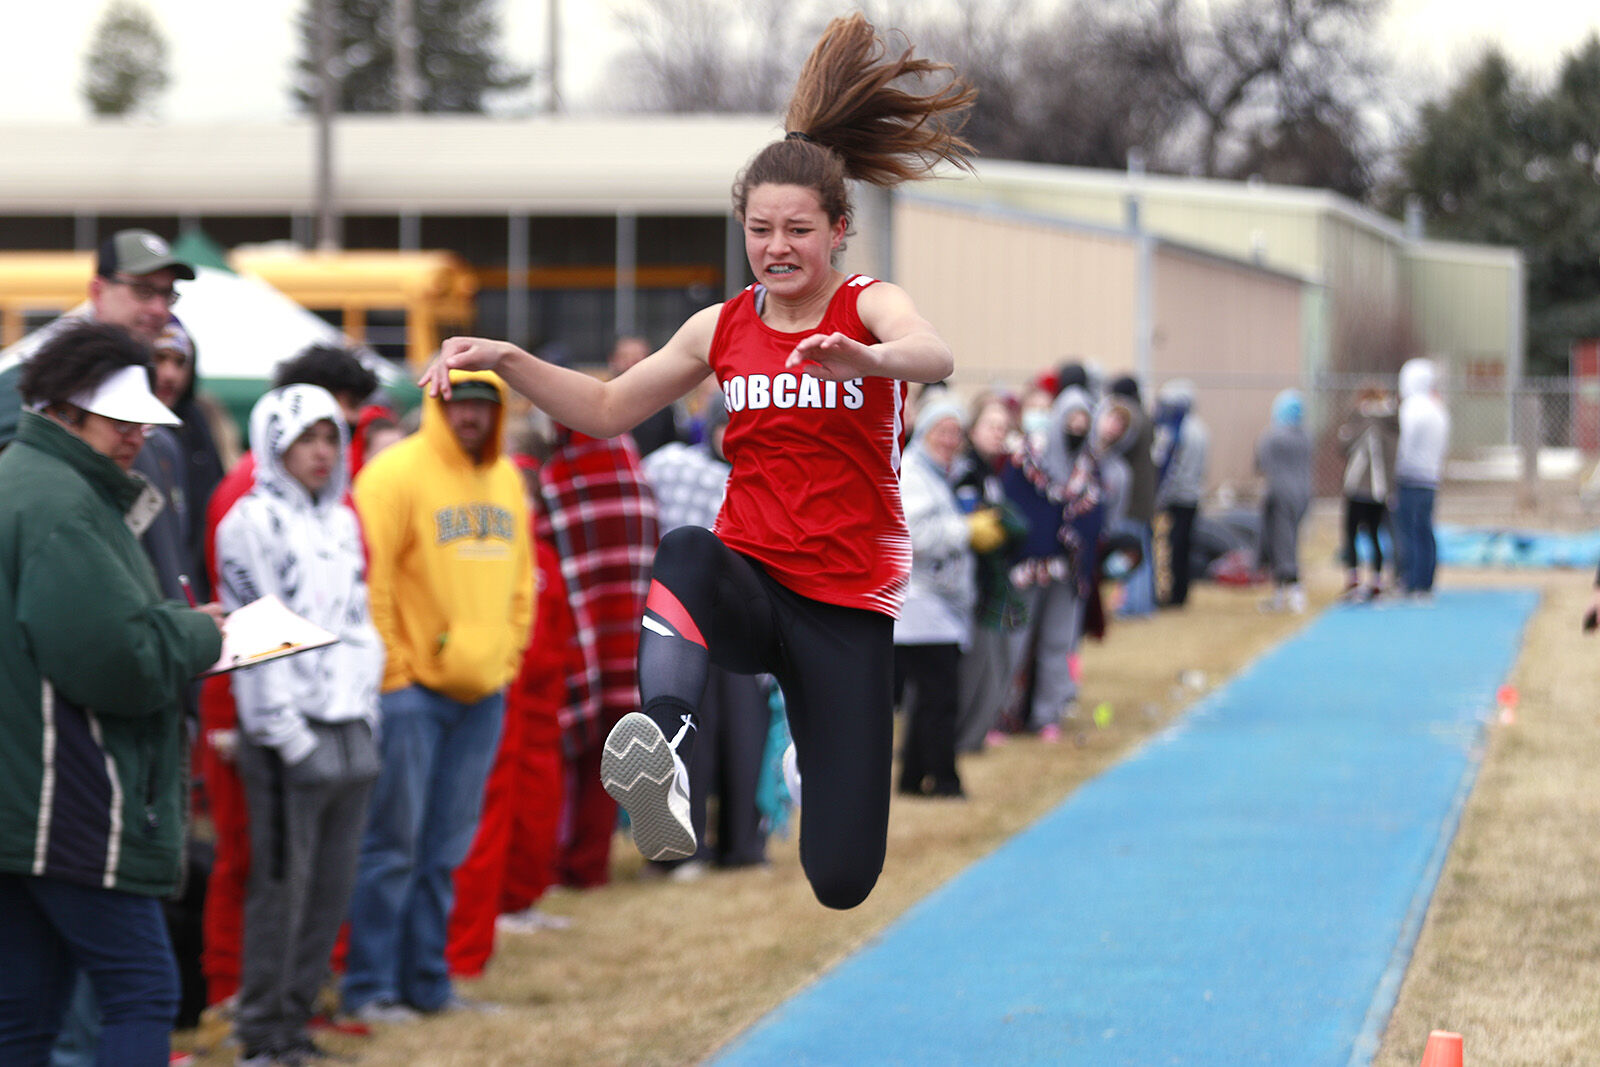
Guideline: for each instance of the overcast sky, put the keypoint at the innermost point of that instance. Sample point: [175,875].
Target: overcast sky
[231,58]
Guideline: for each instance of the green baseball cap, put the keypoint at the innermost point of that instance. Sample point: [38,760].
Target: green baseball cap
[138,252]
[474,389]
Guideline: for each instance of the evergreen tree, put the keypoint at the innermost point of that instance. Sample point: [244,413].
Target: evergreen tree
[126,65]
[1498,161]
[458,60]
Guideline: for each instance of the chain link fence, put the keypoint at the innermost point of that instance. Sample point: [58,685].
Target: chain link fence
[1524,454]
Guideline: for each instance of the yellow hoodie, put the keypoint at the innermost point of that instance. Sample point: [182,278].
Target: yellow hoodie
[450,571]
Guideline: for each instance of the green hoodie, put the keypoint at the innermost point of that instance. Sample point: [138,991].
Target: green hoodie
[92,665]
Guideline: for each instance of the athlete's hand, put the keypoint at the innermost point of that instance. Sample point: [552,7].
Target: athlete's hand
[832,357]
[462,353]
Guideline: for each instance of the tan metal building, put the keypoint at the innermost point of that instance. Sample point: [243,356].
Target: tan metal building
[1016,294]
[1379,292]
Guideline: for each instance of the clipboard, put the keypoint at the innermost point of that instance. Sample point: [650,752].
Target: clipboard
[262,631]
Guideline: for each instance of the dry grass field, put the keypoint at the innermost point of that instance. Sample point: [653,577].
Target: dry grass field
[658,972]
[1510,952]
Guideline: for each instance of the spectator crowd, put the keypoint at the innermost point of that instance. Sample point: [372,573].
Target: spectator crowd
[333,837]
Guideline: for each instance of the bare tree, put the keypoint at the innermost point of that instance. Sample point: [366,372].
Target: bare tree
[712,55]
[1277,88]
[982,40]
[1249,72]
[1091,96]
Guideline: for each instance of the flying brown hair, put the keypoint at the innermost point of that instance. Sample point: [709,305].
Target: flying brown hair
[848,119]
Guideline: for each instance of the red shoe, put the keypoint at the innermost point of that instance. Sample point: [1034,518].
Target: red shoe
[347,1027]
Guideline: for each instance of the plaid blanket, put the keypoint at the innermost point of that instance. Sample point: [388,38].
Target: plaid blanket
[599,511]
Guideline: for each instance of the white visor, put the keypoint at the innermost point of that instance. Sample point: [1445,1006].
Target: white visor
[125,396]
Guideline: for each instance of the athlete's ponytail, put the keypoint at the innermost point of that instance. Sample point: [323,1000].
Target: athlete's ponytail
[847,119]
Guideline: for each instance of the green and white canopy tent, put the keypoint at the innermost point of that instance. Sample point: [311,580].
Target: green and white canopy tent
[243,328]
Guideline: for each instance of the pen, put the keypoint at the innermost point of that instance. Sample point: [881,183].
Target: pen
[188,590]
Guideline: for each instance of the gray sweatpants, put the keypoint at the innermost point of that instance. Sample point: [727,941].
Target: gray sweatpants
[306,823]
[985,681]
[1280,538]
[1055,622]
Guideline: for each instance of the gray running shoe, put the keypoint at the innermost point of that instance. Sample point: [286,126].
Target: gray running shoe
[641,769]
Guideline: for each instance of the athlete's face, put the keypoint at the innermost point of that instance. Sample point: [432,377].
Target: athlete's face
[788,238]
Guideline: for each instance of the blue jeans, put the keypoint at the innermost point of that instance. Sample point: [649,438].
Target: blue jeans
[436,756]
[48,930]
[1139,592]
[80,1028]
[1413,527]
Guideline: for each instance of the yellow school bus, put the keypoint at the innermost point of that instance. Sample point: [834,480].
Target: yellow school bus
[428,293]
[395,301]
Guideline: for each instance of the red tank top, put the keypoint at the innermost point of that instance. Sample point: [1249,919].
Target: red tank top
[815,490]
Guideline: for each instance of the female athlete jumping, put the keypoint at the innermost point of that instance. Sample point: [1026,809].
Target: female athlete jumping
[807,565]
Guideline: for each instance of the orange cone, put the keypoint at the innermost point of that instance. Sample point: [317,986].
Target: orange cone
[1507,698]
[1444,1050]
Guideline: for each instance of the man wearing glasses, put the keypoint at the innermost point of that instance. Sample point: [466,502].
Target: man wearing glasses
[132,288]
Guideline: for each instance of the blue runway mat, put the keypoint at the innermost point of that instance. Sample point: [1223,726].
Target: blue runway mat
[1244,889]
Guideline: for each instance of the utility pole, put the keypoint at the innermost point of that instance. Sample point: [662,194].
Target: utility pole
[553,49]
[406,39]
[327,93]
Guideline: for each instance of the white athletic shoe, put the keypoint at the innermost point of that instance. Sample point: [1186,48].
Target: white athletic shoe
[386,1011]
[531,920]
[641,769]
[791,774]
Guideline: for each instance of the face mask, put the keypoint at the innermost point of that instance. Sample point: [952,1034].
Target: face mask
[1075,440]
[1035,422]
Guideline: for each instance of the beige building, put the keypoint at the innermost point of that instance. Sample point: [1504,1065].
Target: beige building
[1016,294]
[1378,292]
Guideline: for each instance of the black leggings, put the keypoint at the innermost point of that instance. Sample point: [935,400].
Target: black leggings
[928,756]
[1365,515]
[1180,538]
[709,604]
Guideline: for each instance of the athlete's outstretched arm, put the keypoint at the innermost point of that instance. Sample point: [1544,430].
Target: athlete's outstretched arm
[573,398]
[909,348]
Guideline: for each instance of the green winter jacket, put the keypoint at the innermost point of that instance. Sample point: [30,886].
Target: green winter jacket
[92,666]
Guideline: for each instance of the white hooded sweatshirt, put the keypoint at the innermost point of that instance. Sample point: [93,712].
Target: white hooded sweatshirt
[943,585]
[308,551]
[1424,426]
